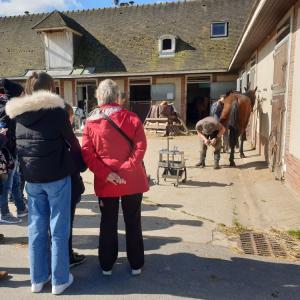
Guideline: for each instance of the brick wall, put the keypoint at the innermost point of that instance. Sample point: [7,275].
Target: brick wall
[292,176]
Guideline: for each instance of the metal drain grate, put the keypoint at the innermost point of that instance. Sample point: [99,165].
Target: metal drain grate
[255,243]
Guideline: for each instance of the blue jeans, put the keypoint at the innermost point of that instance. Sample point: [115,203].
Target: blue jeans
[12,181]
[49,206]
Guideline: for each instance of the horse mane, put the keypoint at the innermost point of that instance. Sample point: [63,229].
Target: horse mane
[251,95]
[227,107]
[230,92]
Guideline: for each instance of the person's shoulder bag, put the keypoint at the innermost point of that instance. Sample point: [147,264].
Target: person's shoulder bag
[125,136]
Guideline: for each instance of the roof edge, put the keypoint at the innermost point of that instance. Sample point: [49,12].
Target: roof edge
[129,74]
[175,2]
[46,17]
[259,6]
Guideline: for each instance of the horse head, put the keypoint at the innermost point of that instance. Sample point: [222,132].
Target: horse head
[251,94]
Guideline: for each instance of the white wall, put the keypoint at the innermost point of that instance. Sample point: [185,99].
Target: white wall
[121,84]
[59,50]
[295,117]
[177,82]
[68,94]
[264,81]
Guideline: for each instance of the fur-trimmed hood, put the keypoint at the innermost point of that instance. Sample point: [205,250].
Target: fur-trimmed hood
[40,100]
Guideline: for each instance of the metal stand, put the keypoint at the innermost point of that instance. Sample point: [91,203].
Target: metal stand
[173,163]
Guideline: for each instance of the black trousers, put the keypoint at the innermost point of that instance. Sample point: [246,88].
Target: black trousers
[108,239]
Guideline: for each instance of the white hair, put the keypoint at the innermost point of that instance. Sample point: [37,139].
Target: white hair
[107,92]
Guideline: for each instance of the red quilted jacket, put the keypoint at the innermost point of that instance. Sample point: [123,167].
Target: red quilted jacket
[105,150]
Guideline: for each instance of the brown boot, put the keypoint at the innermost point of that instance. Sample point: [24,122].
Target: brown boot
[1,238]
[3,275]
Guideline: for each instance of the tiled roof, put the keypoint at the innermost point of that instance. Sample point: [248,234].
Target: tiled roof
[56,19]
[126,39]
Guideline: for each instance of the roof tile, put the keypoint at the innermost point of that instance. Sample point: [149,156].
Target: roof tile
[126,39]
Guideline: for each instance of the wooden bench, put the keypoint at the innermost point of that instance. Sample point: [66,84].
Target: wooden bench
[156,124]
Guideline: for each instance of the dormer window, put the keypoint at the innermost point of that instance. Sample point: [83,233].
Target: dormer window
[167,46]
[219,29]
[59,34]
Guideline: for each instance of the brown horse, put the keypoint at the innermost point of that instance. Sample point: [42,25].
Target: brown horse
[235,116]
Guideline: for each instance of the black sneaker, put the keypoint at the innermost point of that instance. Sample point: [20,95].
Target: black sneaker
[77,259]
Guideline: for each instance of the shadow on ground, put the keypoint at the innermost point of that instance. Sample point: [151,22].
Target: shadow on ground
[149,223]
[185,275]
[150,242]
[191,183]
[257,165]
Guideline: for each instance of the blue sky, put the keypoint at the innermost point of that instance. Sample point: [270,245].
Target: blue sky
[108,3]
[18,7]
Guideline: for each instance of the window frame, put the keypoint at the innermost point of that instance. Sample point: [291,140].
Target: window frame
[219,35]
[168,52]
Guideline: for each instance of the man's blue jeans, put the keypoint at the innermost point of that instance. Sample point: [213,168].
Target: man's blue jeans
[12,181]
[49,206]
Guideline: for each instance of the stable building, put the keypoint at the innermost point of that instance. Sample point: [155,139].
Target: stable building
[268,56]
[172,51]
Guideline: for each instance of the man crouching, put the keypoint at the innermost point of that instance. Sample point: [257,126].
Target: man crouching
[210,131]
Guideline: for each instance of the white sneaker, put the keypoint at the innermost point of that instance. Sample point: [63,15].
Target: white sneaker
[136,272]
[107,273]
[59,289]
[37,287]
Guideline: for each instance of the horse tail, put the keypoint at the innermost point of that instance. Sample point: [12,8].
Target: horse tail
[233,125]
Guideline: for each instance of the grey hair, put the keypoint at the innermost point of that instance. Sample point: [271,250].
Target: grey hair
[107,92]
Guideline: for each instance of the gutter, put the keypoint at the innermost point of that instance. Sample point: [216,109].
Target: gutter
[246,33]
[101,75]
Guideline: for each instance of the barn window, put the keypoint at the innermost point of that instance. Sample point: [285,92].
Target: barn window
[167,46]
[219,29]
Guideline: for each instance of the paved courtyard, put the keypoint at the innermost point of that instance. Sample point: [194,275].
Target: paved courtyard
[186,258]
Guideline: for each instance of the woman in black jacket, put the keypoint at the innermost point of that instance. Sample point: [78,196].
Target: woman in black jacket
[44,135]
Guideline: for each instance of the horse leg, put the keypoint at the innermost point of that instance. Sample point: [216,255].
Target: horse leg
[231,157]
[225,142]
[232,143]
[242,155]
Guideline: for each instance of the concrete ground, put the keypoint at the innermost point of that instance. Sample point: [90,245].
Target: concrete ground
[183,258]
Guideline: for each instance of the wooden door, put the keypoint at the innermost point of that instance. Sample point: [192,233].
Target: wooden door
[278,109]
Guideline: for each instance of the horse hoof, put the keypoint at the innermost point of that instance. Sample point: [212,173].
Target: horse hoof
[242,155]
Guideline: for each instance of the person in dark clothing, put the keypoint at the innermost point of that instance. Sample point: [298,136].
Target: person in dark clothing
[12,182]
[44,135]
[4,169]
[3,140]
[77,189]
[11,90]
[210,131]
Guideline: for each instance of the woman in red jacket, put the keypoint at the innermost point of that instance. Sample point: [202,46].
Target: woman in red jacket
[113,147]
